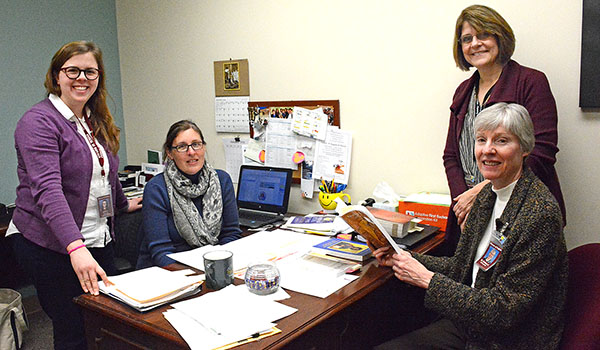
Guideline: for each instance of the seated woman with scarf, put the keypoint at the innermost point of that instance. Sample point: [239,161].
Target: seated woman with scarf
[188,206]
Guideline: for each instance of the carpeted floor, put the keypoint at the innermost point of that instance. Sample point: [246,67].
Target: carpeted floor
[39,336]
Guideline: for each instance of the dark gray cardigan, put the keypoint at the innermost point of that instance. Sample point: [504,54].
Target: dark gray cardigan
[519,302]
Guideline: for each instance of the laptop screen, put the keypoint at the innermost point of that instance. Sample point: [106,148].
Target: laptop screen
[264,188]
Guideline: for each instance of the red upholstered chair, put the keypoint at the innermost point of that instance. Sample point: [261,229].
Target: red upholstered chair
[582,327]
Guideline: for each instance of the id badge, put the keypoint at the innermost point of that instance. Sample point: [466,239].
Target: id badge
[105,204]
[490,257]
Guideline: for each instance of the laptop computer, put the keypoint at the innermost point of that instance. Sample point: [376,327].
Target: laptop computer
[262,194]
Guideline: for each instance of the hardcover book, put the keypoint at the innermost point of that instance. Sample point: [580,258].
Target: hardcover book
[396,224]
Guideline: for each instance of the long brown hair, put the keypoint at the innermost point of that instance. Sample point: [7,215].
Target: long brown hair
[102,121]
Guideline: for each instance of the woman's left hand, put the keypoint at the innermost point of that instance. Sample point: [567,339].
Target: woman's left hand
[409,270]
[464,202]
[134,204]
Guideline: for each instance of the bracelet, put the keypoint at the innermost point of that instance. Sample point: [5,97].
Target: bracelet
[74,249]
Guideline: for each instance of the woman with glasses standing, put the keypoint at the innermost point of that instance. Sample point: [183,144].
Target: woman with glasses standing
[67,165]
[484,40]
[190,204]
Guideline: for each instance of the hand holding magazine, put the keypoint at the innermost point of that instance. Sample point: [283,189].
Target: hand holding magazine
[363,222]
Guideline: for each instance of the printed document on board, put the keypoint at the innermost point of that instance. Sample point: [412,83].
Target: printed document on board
[332,157]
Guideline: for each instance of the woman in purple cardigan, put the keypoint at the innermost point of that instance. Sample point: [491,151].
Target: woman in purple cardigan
[67,167]
[484,40]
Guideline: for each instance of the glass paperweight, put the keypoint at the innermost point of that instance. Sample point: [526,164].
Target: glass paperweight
[262,278]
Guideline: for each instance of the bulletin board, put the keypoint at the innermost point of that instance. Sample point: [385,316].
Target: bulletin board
[280,109]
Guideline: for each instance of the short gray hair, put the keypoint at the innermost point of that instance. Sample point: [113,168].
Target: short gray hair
[513,117]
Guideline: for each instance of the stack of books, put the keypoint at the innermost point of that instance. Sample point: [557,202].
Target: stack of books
[396,224]
[341,248]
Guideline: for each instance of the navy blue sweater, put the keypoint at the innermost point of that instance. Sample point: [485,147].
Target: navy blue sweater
[160,236]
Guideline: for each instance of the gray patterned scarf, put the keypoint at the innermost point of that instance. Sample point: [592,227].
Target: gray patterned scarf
[197,230]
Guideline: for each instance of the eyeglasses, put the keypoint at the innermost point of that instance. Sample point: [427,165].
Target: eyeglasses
[74,72]
[196,146]
[468,38]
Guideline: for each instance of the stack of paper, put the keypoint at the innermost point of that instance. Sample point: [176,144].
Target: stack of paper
[287,250]
[148,288]
[228,317]
[327,225]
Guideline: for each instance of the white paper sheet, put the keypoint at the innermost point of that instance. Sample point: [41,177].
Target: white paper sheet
[283,247]
[234,156]
[265,245]
[305,275]
[332,157]
[280,144]
[206,322]
[310,123]
[252,151]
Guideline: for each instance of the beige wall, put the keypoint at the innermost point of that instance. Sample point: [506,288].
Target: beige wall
[388,62]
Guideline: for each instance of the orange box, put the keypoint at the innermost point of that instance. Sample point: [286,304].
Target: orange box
[431,214]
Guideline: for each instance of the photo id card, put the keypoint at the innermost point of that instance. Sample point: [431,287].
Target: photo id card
[105,206]
[490,257]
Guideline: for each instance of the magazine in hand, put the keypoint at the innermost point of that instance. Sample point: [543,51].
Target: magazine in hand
[366,225]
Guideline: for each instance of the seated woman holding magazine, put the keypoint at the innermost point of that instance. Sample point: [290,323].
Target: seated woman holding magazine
[506,284]
[188,206]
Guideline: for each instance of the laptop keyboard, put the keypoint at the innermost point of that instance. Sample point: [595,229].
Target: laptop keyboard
[255,216]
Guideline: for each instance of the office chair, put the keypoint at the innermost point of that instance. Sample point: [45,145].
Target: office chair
[582,324]
[127,230]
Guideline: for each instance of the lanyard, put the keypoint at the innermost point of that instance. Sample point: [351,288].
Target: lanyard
[92,139]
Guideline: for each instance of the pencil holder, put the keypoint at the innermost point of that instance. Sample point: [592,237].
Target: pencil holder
[327,200]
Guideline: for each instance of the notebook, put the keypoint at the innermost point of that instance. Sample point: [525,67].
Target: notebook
[262,195]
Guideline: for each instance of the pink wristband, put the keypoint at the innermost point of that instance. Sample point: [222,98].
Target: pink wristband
[74,249]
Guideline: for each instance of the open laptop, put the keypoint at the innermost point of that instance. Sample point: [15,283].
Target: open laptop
[262,194]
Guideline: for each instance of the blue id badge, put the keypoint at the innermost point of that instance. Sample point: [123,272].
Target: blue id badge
[494,249]
[490,257]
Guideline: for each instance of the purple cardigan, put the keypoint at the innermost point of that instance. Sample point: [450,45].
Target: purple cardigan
[517,84]
[54,166]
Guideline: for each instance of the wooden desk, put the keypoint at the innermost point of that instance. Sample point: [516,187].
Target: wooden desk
[112,325]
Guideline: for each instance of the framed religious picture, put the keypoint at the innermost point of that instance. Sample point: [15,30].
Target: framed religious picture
[231,78]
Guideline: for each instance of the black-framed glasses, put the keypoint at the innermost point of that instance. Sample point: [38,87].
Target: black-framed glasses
[468,38]
[196,146]
[73,72]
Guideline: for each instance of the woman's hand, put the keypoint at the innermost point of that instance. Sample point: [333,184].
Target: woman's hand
[134,204]
[383,256]
[409,270]
[86,268]
[464,202]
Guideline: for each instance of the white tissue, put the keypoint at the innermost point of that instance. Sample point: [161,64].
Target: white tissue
[384,192]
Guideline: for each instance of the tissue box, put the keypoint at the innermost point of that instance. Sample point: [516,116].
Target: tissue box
[432,208]
[386,206]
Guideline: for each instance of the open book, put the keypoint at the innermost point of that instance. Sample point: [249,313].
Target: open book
[366,225]
[151,287]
